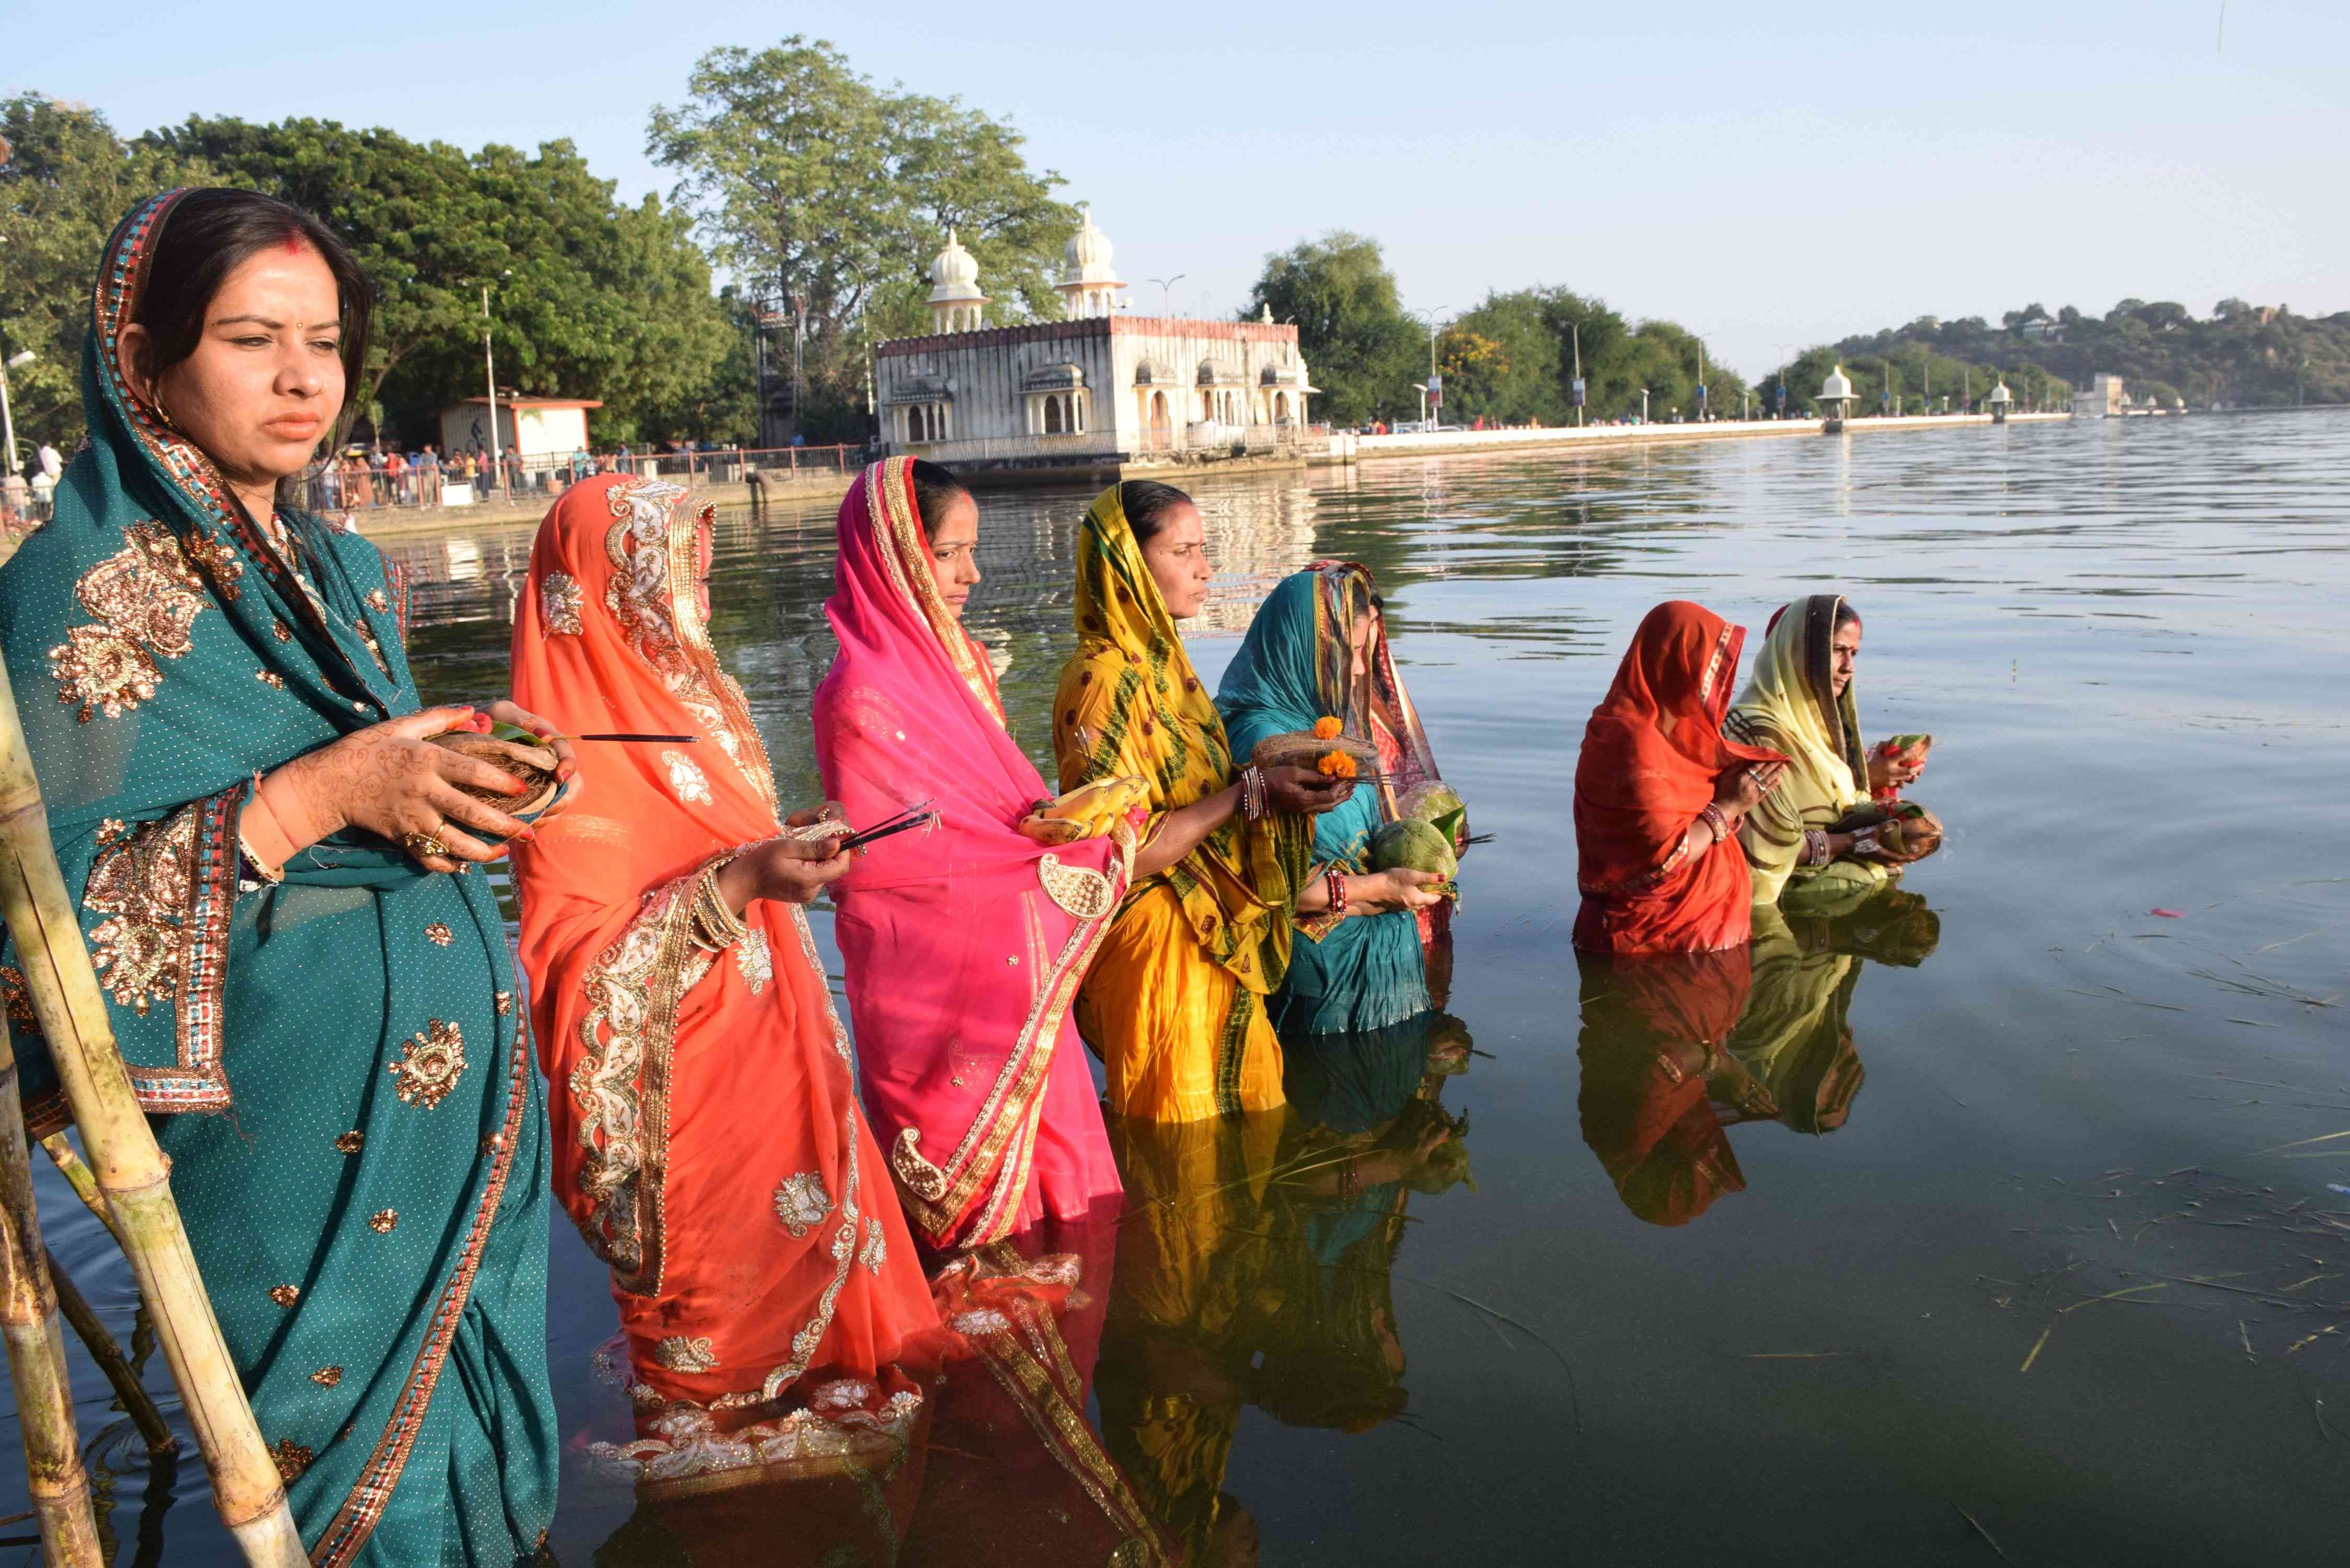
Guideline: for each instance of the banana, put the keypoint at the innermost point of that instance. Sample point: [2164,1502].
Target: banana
[1099,807]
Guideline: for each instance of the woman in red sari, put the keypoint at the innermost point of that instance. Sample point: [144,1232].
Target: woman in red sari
[964,944]
[707,1139]
[1659,794]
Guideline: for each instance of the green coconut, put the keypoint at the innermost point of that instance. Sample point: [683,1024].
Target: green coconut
[1413,845]
[1440,804]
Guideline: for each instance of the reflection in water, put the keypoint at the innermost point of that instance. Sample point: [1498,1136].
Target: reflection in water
[1255,1268]
[1677,1048]
[1006,1470]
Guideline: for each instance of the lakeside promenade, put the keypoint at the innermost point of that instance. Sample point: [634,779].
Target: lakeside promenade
[1337,449]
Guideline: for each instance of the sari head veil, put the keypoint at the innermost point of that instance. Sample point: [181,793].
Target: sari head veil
[1151,717]
[164,649]
[1793,688]
[908,712]
[1296,665]
[173,604]
[1637,787]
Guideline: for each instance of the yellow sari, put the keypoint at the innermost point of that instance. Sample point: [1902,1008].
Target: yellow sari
[1175,1001]
[1789,705]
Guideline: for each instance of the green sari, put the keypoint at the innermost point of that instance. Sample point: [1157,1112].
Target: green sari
[370,1211]
[1791,705]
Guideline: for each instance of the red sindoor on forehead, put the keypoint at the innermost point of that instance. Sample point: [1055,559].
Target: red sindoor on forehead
[293,243]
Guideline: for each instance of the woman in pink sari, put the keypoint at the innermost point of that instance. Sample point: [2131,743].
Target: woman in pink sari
[963,944]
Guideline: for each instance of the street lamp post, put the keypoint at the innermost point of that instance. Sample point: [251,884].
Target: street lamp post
[1644,405]
[1167,292]
[17,361]
[1421,388]
[489,369]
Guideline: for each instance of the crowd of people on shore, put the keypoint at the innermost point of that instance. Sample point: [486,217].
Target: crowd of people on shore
[1236,900]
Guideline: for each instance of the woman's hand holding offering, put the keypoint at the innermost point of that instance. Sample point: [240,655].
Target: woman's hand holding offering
[1303,791]
[391,781]
[1381,891]
[794,868]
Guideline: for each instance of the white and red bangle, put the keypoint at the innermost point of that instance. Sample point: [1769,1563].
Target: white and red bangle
[1718,819]
[1335,880]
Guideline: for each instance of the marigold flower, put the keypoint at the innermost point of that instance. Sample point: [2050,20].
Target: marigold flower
[1327,728]
[1336,766]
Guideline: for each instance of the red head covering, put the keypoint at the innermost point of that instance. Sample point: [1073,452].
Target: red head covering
[1652,756]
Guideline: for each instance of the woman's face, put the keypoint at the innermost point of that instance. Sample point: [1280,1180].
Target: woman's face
[1358,638]
[954,553]
[1178,558]
[1843,648]
[266,378]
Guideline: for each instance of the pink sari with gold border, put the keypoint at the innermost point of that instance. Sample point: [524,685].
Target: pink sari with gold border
[963,945]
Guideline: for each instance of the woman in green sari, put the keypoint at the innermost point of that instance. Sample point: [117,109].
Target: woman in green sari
[1307,657]
[242,789]
[1818,837]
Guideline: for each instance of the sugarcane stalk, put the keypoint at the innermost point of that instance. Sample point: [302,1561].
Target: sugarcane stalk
[80,1178]
[132,1175]
[36,1352]
[103,1350]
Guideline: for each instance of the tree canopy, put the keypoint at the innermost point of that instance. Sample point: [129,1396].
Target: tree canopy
[66,181]
[1362,350]
[815,184]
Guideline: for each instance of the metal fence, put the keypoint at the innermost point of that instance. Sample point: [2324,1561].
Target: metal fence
[348,486]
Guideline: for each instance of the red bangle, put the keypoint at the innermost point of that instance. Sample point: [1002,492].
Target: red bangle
[1338,885]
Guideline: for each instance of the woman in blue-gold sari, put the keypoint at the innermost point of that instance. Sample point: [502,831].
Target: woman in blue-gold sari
[1310,654]
[315,1006]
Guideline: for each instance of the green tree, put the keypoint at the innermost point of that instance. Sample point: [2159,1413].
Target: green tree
[66,179]
[813,183]
[1351,328]
[586,298]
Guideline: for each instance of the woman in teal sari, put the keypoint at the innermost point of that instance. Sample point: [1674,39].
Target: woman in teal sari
[1308,655]
[319,1014]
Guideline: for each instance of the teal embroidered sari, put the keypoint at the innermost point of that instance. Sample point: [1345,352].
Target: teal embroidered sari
[337,1062]
[1367,971]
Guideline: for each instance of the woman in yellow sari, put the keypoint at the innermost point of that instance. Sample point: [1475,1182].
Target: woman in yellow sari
[1819,830]
[1175,1001]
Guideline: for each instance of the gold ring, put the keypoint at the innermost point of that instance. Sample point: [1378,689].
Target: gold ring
[424,845]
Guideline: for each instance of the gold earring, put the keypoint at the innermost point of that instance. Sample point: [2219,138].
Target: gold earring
[164,414]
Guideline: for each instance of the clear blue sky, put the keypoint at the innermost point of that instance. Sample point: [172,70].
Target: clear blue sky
[1768,175]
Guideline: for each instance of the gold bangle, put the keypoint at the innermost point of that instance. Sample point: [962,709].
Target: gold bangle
[717,927]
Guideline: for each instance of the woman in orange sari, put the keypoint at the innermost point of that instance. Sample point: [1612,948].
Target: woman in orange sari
[1659,794]
[707,1139]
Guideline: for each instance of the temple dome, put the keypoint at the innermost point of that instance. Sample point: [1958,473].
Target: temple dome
[1087,256]
[1837,384]
[954,273]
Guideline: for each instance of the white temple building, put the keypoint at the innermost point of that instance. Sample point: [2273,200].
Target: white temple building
[1101,387]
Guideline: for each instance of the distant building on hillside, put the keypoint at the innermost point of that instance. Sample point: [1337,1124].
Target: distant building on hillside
[2043,331]
[1100,387]
[2101,399]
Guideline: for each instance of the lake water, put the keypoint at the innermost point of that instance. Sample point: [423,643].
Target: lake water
[2007,1227]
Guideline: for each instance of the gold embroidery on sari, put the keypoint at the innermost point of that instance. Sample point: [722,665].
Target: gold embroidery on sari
[1087,895]
[429,1065]
[220,558]
[753,958]
[350,1142]
[650,592]
[688,783]
[678,1353]
[802,1203]
[559,603]
[141,881]
[439,934]
[270,678]
[840,1432]
[382,1221]
[146,598]
[285,1295]
[327,1377]
[292,1459]
[621,1085]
